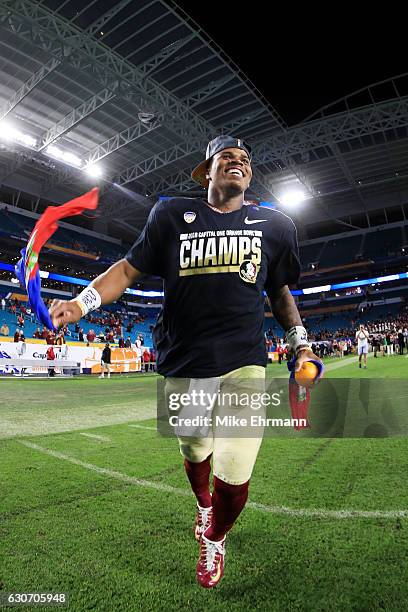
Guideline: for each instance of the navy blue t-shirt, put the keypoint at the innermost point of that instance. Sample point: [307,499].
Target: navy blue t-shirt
[215,268]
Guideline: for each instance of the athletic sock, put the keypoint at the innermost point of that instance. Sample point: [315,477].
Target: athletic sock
[199,477]
[228,502]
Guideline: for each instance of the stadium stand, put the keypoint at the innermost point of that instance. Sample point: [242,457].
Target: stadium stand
[77,243]
[385,243]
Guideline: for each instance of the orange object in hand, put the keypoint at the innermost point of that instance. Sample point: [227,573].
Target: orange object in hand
[307,374]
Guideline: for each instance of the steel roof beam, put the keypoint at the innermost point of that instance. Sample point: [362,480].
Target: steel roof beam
[151,41]
[99,23]
[232,126]
[121,139]
[192,25]
[77,115]
[51,33]
[157,60]
[129,17]
[335,129]
[29,85]
[137,32]
[208,90]
[345,169]
[44,29]
[159,160]
[228,110]
[186,54]
[202,76]
[101,151]
[192,66]
[181,181]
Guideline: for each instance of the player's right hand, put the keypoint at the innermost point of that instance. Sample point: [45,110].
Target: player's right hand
[64,311]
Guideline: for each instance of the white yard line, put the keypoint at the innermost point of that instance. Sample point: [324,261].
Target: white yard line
[276,510]
[144,427]
[102,438]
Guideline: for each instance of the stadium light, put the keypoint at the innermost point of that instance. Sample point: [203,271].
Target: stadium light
[94,171]
[65,156]
[10,134]
[292,198]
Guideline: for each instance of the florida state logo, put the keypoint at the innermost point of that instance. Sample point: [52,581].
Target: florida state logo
[248,271]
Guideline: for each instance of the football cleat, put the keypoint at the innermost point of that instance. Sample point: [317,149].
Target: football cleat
[202,521]
[210,566]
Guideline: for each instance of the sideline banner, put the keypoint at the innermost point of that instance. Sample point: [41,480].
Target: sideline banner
[123,360]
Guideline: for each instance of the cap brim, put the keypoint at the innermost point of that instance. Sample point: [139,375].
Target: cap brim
[199,174]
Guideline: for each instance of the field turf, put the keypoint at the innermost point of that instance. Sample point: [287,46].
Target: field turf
[95,503]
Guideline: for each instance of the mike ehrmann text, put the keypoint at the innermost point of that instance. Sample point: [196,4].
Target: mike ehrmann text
[256,420]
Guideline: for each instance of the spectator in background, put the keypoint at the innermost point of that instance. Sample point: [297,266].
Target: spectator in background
[128,343]
[401,341]
[20,320]
[51,357]
[81,335]
[376,342]
[3,304]
[4,329]
[121,342]
[50,339]
[17,335]
[90,336]
[281,351]
[37,333]
[60,340]
[106,361]
[152,359]
[146,359]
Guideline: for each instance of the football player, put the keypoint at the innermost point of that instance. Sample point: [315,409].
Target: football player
[216,255]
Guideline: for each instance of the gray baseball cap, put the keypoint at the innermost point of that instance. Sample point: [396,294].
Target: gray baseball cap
[215,146]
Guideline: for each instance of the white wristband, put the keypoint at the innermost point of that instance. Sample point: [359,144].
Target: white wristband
[88,300]
[297,336]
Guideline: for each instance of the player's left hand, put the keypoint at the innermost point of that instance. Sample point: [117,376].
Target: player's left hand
[305,355]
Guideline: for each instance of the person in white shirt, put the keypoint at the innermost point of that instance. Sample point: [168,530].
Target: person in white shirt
[362,336]
[21,348]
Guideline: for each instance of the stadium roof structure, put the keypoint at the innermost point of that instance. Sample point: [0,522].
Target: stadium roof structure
[137,89]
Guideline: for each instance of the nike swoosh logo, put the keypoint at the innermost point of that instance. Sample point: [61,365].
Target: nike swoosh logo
[217,576]
[250,222]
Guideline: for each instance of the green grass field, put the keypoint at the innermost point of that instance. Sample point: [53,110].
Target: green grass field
[93,502]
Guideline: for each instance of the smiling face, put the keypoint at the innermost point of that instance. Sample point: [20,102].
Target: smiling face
[230,169]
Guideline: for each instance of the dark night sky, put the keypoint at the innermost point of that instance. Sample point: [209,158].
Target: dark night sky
[302,61]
